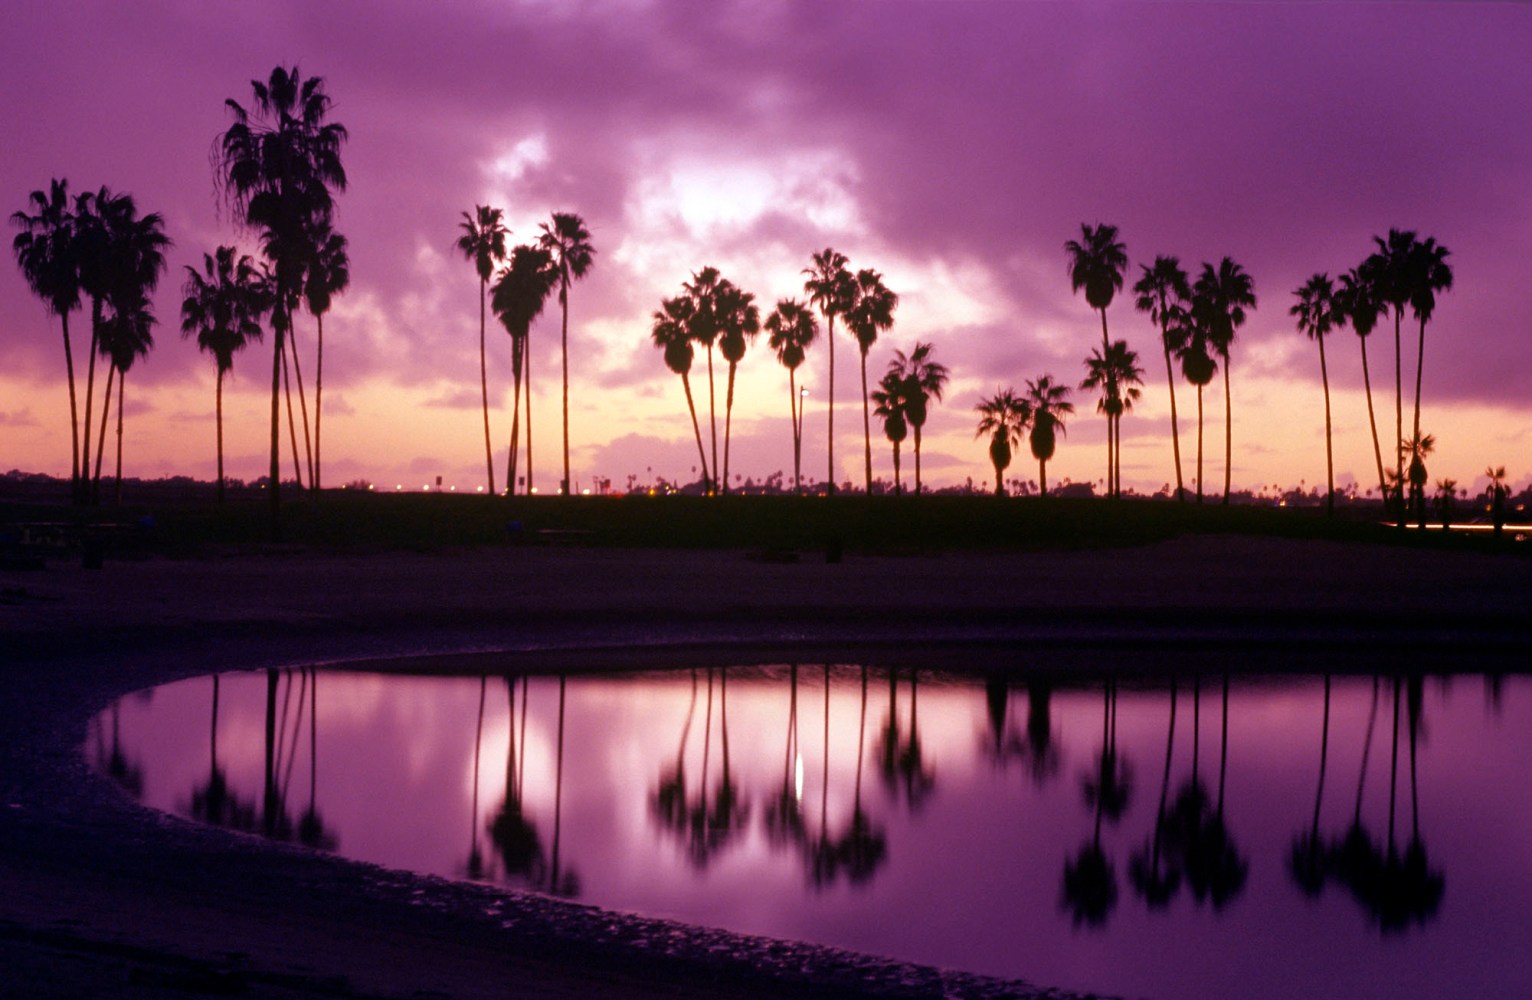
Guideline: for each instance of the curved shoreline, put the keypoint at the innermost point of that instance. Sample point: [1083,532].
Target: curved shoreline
[131,903]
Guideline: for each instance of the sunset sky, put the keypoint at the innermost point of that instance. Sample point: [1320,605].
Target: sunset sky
[953,146]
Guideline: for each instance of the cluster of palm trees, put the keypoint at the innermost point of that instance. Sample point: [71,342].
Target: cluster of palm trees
[562,253]
[1038,413]
[94,248]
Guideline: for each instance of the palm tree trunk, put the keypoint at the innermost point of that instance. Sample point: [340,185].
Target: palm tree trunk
[1372,421]
[122,390]
[1228,433]
[303,406]
[1398,418]
[897,487]
[686,383]
[489,459]
[728,424]
[866,424]
[712,416]
[1324,757]
[1042,476]
[90,391]
[1108,455]
[830,409]
[526,361]
[564,302]
[1324,373]
[318,401]
[292,426]
[792,409]
[106,412]
[218,410]
[1420,364]
[74,411]
[917,460]
[517,354]
[1175,432]
[1199,444]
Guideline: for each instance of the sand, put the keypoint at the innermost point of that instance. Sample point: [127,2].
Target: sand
[99,897]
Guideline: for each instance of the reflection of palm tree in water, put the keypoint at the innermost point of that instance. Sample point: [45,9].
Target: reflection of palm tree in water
[1090,882]
[1155,877]
[819,850]
[214,802]
[513,833]
[709,823]
[863,848]
[1214,868]
[1042,748]
[784,817]
[311,828]
[560,883]
[669,801]
[474,866]
[114,761]
[1306,861]
[1109,786]
[902,759]
[1003,745]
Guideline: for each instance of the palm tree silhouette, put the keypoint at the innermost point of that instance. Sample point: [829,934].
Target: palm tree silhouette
[1429,273]
[48,257]
[863,847]
[1096,264]
[832,290]
[222,306]
[474,866]
[1194,349]
[1417,449]
[1358,299]
[277,164]
[127,334]
[1225,293]
[784,817]
[669,801]
[1118,376]
[1162,291]
[923,380]
[512,831]
[1042,744]
[1004,417]
[1388,270]
[1497,492]
[568,241]
[329,274]
[483,243]
[872,314]
[792,329]
[703,325]
[521,290]
[893,408]
[739,320]
[1307,861]
[1155,876]
[1049,403]
[671,333]
[311,826]
[215,803]
[1318,312]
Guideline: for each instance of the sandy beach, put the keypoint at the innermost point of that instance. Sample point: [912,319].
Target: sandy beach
[99,897]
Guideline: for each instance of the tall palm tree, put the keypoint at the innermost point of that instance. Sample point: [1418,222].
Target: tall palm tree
[872,314]
[567,239]
[924,381]
[277,165]
[1118,376]
[1429,273]
[329,274]
[1226,292]
[1417,448]
[520,293]
[792,328]
[739,320]
[703,324]
[1388,270]
[127,334]
[1096,263]
[1004,417]
[893,407]
[1358,299]
[1162,289]
[1195,352]
[832,290]
[671,333]
[483,242]
[1318,311]
[222,307]
[1049,402]
[49,260]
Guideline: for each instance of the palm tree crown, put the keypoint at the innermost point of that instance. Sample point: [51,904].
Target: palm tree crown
[1049,403]
[924,381]
[1004,417]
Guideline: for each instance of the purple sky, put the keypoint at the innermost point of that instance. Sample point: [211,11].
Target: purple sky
[952,146]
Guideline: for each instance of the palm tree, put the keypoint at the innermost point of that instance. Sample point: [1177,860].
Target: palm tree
[277,164]
[872,314]
[1096,263]
[1417,448]
[1318,312]
[222,307]
[1497,493]
[671,332]
[832,290]
[1049,402]
[1118,376]
[703,325]
[892,405]
[1004,417]
[1358,299]
[1226,293]
[1428,274]
[329,274]
[739,320]
[49,260]
[1194,350]
[792,329]
[483,243]
[520,292]
[568,241]
[127,335]
[924,380]
[1162,290]
[1388,271]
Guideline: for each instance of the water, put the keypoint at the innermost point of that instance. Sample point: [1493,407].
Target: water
[1193,837]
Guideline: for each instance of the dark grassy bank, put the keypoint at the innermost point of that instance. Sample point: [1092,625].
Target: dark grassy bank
[772,525]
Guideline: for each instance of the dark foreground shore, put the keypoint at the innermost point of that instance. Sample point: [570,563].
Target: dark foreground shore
[99,897]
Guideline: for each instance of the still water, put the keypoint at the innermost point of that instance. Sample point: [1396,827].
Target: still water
[1352,836]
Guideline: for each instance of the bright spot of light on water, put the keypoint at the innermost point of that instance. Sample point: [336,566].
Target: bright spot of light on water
[798,777]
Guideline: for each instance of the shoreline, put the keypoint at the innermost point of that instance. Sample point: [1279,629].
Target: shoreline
[106,898]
